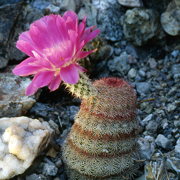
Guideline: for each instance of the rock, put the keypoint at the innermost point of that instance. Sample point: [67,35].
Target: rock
[175,69]
[177,2]
[40,4]
[147,119]
[141,177]
[152,62]
[158,5]
[152,127]
[108,19]
[140,25]
[36,177]
[3,62]
[132,73]
[68,5]
[162,141]
[21,139]
[147,147]
[177,124]
[131,3]
[89,11]
[142,73]
[175,53]
[9,15]
[143,87]
[13,101]
[49,169]
[42,110]
[177,147]
[171,107]
[52,9]
[120,64]
[170,19]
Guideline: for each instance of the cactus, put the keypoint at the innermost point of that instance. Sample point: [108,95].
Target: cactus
[83,89]
[102,142]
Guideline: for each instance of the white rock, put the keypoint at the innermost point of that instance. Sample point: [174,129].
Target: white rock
[21,139]
[131,3]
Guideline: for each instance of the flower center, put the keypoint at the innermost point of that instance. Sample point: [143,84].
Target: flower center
[57,71]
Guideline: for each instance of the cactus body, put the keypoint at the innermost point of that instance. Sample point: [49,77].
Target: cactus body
[102,143]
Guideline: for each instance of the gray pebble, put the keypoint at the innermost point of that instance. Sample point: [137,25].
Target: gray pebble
[132,73]
[162,141]
[143,87]
[49,169]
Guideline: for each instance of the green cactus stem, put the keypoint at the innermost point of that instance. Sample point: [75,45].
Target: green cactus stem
[83,89]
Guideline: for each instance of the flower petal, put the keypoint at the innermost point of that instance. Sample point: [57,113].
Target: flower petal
[71,20]
[26,68]
[40,80]
[25,47]
[54,84]
[70,74]
[83,54]
[88,37]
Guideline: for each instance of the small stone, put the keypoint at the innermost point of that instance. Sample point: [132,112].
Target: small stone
[131,3]
[120,64]
[49,169]
[175,53]
[132,73]
[143,87]
[142,73]
[68,5]
[59,163]
[162,141]
[152,63]
[177,147]
[171,107]
[177,123]
[175,69]
[170,20]
[36,177]
[152,127]
[117,51]
[147,119]
[147,147]
[52,8]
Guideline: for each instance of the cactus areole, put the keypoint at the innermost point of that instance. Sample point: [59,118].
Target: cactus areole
[102,142]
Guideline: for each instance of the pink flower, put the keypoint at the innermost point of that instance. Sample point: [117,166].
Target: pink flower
[54,45]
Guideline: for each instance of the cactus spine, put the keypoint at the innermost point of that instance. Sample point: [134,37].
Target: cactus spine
[102,142]
[83,89]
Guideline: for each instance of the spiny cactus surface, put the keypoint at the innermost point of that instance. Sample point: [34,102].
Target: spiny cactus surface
[83,89]
[102,143]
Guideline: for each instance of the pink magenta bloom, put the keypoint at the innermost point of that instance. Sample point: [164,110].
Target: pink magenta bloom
[54,45]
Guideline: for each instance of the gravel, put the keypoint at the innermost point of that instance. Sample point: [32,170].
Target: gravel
[152,68]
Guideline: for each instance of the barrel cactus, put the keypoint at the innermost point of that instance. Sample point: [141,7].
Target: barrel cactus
[102,142]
